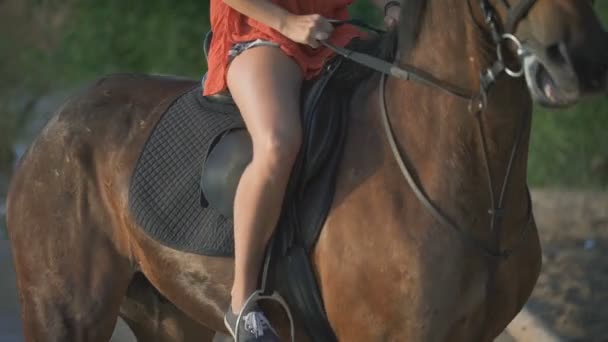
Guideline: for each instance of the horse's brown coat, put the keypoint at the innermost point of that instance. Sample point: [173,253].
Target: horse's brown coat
[387,270]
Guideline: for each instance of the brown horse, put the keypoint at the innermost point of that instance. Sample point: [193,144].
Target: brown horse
[389,267]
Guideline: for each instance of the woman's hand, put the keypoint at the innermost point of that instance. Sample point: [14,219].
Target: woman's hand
[306,29]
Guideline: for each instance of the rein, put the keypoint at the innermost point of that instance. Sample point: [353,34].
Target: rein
[477,105]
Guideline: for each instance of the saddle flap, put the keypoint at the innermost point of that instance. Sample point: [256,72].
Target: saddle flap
[223,168]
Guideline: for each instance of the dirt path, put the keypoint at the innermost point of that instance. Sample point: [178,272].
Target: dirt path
[572,293]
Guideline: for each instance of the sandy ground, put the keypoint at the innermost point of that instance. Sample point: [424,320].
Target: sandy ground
[571,296]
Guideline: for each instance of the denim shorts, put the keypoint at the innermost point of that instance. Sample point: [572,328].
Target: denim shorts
[238,48]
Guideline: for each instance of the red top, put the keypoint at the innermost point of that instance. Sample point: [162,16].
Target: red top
[230,27]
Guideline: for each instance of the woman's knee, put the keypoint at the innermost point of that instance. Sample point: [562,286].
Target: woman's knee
[278,149]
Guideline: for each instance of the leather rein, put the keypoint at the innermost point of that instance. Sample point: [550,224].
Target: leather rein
[477,104]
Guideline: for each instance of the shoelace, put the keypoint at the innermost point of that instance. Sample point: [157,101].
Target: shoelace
[256,323]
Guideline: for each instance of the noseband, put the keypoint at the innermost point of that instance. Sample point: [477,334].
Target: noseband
[477,103]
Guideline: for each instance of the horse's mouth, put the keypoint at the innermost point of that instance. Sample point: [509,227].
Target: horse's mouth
[550,87]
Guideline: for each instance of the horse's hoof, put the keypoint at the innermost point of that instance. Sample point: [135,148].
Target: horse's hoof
[219,337]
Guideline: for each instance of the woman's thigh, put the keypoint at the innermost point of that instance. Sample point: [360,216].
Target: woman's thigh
[265,84]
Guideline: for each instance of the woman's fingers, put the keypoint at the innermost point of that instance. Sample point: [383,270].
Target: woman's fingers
[314,43]
[308,29]
[324,25]
[320,35]
[322,30]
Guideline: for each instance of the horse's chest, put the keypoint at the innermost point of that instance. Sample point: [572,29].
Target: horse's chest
[462,291]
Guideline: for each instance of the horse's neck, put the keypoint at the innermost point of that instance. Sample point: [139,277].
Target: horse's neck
[438,133]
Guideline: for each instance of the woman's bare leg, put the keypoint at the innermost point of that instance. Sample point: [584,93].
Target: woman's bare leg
[265,84]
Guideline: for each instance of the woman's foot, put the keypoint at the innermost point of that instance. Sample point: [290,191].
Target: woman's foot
[254,326]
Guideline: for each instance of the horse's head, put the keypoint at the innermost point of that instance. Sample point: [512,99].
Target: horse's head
[565,48]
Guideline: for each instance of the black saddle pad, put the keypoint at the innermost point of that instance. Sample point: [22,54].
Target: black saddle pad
[165,196]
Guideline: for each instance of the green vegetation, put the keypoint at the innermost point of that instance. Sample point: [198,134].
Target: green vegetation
[570,148]
[50,44]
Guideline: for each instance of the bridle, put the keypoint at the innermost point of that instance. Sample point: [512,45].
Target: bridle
[477,103]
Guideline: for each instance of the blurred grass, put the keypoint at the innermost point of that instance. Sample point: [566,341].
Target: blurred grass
[153,36]
[570,148]
[52,44]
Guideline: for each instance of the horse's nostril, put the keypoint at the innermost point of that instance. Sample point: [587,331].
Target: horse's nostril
[557,53]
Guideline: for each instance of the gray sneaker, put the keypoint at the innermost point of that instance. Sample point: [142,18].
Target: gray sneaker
[254,326]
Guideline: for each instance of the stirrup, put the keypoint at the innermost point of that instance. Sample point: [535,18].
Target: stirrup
[257,296]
